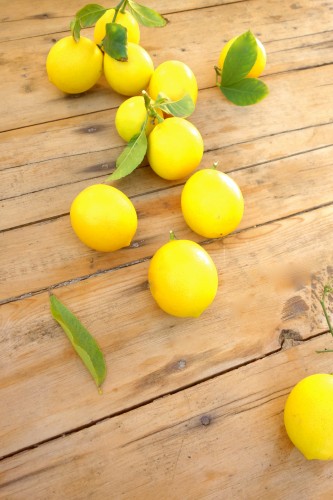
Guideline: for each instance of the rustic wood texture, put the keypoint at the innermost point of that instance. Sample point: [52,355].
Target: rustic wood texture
[191,408]
[221,439]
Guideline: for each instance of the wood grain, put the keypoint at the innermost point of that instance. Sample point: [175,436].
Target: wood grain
[39,17]
[267,279]
[191,408]
[227,433]
[269,190]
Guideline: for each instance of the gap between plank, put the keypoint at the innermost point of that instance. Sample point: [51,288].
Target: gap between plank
[303,68]
[156,398]
[147,258]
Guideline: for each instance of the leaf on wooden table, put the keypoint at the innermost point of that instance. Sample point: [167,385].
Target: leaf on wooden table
[245,92]
[82,341]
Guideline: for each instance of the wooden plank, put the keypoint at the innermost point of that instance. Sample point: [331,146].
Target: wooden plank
[46,189]
[55,201]
[267,277]
[31,99]
[38,17]
[227,433]
[55,254]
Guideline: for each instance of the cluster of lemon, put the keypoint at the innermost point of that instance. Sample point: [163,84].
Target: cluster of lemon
[182,276]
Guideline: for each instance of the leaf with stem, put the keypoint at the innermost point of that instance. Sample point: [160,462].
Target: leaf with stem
[182,108]
[82,341]
[132,155]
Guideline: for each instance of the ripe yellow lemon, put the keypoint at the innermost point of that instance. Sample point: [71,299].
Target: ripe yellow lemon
[212,203]
[175,148]
[74,67]
[183,278]
[103,218]
[258,66]
[308,416]
[173,79]
[124,18]
[132,76]
[130,117]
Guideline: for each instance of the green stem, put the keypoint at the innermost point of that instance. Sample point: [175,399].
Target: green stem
[218,72]
[172,236]
[117,9]
[322,303]
[150,108]
[122,10]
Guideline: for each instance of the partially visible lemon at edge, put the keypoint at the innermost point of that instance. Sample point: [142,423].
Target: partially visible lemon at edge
[308,416]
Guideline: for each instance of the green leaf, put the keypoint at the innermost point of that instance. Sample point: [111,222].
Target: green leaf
[75,29]
[146,16]
[115,41]
[132,155]
[240,59]
[245,92]
[82,341]
[87,16]
[182,108]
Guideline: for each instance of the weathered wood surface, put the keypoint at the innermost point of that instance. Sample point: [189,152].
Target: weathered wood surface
[280,153]
[259,301]
[221,439]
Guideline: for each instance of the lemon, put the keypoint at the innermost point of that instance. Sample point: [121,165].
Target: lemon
[132,76]
[103,218]
[74,67]
[130,117]
[259,64]
[212,203]
[308,416]
[124,18]
[173,79]
[183,278]
[175,148]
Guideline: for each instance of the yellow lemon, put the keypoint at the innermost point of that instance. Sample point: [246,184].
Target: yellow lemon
[173,79]
[74,67]
[175,148]
[183,278]
[132,76]
[103,218]
[308,416]
[212,203]
[130,117]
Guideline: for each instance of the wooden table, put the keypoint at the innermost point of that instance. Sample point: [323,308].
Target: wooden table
[191,408]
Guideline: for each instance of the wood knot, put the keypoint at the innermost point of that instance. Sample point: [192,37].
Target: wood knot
[205,420]
[181,364]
